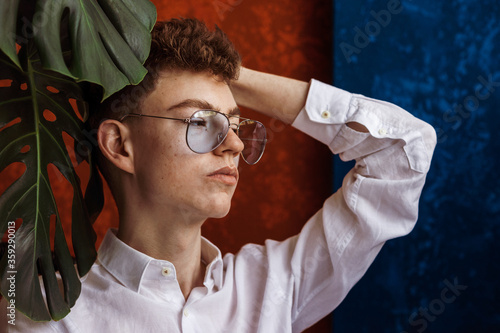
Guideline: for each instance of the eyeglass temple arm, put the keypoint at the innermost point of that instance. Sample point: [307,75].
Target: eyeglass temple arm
[185,120]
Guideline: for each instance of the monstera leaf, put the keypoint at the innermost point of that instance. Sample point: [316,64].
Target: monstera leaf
[110,39]
[37,141]
[62,42]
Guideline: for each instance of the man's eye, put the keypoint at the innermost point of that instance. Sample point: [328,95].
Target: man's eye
[198,122]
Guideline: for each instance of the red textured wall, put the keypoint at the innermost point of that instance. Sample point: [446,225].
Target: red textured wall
[285,37]
[277,196]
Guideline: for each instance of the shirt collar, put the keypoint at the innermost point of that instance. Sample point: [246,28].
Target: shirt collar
[128,265]
[212,257]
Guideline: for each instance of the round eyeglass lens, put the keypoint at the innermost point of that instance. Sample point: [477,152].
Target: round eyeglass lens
[207,129]
[253,135]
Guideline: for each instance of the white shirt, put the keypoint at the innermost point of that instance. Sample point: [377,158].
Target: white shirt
[280,286]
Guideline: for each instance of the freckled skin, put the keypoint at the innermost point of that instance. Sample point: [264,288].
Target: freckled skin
[171,179]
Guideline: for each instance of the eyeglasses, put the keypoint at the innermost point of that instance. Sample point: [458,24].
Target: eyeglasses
[207,129]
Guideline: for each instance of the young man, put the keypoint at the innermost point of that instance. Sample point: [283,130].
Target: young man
[171,160]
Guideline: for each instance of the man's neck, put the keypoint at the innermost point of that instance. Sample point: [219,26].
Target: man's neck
[180,245]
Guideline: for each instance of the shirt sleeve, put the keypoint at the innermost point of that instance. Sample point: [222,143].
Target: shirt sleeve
[378,199]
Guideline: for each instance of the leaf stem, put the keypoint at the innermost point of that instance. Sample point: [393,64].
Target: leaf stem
[36,112]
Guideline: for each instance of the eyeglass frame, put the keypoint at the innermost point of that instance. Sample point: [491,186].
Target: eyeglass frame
[188,121]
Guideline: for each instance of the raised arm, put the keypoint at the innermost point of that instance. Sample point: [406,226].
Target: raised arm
[378,200]
[275,96]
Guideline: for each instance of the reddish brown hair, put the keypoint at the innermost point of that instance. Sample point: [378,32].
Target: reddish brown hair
[187,44]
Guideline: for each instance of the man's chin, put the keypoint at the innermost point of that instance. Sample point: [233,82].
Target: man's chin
[220,215]
[221,211]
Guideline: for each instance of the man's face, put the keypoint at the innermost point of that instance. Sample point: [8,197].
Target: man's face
[172,180]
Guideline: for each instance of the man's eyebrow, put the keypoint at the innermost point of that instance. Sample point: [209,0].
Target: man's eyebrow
[235,112]
[193,103]
[202,105]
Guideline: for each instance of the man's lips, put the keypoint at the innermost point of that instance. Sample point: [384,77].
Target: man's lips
[226,175]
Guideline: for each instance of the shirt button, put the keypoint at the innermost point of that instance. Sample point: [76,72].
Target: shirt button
[186,313]
[382,131]
[325,114]
[166,271]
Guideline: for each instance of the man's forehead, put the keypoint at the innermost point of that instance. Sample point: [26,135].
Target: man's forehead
[187,90]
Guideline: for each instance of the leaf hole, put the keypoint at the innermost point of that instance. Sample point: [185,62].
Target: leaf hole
[24,86]
[49,115]
[11,123]
[74,105]
[63,194]
[83,172]
[25,149]
[39,269]
[5,83]
[52,89]
[70,144]
[52,231]
[18,222]
[10,174]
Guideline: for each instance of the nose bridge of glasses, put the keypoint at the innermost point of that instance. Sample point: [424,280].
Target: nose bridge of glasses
[234,126]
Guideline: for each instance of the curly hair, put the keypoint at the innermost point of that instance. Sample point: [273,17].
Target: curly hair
[187,44]
[177,44]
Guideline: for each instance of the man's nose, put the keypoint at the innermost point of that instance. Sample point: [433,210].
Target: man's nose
[232,144]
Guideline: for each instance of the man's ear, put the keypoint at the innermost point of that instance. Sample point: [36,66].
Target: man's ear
[115,144]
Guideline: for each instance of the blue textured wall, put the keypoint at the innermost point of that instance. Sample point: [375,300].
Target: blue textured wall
[440,60]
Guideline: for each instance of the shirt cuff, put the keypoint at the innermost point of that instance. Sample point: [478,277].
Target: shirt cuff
[325,105]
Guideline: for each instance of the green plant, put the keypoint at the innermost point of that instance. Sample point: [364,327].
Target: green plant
[48,48]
